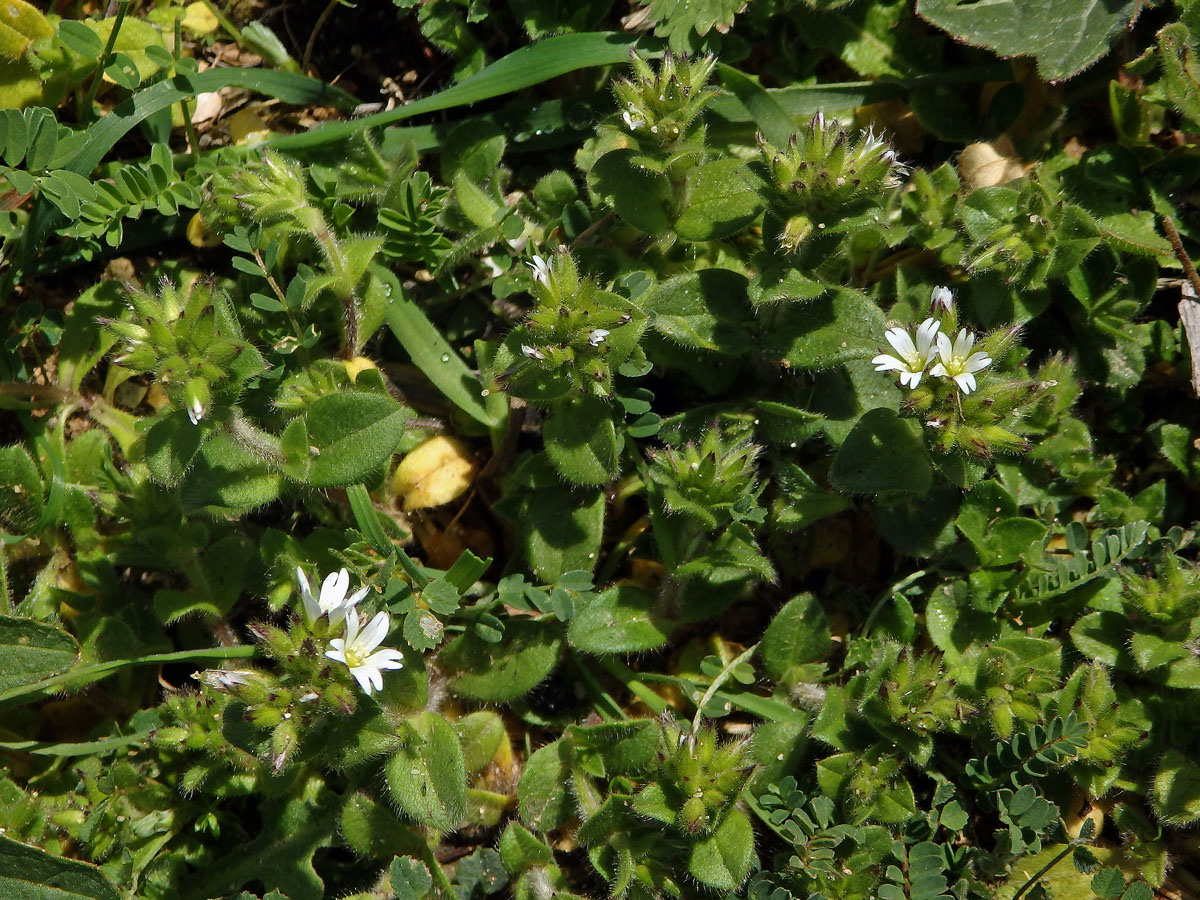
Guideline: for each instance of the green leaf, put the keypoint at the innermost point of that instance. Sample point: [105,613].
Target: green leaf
[22,497]
[504,671]
[1065,37]
[171,445]
[1108,883]
[718,199]
[622,619]
[722,861]
[226,476]
[1176,792]
[772,121]
[33,651]
[426,776]
[798,634]
[543,797]
[355,433]
[81,39]
[430,353]
[371,829]
[409,879]
[837,327]
[1180,72]
[641,197]
[704,310]
[27,873]
[280,856]
[581,441]
[882,453]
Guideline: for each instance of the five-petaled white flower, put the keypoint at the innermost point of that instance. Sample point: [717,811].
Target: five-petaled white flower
[541,269]
[914,356]
[596,338]
[332,601]
[357,651]
[958,362]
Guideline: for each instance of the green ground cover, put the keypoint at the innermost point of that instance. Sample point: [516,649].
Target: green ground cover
[702,449]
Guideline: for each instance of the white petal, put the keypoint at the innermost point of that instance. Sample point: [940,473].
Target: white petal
[363,677]
[965,381]
[911,379]
[945,348]
[943,297]
[312,609]
[333,590]
[376,678]
[338,653]
[926,332]
[885,363]
[372,636]
[963,343]
[351,626]
[939,371]
[901,340]
[976,361]
[385,658]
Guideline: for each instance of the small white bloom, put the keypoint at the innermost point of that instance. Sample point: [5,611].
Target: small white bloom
[332,601]
[913,356]
[957,360]
[942,299]
[596,338]
[357,651]
[541,269]
[630,122]
[532,352]
[195,412]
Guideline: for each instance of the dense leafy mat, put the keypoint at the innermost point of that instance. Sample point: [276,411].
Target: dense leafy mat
[681,449]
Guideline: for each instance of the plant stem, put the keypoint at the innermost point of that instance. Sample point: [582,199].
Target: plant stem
[226,23]
[122,9]
[1037,876]
[312,38]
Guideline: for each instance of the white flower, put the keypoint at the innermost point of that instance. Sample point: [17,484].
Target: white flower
[195,412]
[333,601]
[532,352]
[942,299]
[958,362]
[914,356]
[596,338]
[541,269]
[630,122]
[357,651]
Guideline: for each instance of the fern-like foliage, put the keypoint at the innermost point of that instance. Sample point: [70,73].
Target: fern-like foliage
[1029,755]
[921,874]
[128,191]
[1049,575]
[809,825]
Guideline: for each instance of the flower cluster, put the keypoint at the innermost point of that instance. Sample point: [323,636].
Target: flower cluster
[916,351]
[357,650]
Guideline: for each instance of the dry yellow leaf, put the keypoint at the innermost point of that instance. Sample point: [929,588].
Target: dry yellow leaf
[199,19]
[435,473]
[199,234]
[357,365]
[990,164]
[248,127]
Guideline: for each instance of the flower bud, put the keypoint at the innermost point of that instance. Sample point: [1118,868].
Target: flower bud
[196,399]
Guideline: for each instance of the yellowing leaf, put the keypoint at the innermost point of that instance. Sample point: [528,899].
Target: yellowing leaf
[356,366]
[435,473]
[199,19]
[20,25]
